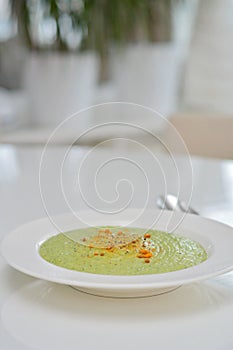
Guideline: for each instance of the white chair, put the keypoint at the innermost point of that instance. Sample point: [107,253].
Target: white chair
[205,135]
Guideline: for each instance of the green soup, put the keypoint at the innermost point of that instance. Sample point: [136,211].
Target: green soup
[121,251]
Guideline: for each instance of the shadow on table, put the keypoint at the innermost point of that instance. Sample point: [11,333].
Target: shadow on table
[46,315]
[188,299]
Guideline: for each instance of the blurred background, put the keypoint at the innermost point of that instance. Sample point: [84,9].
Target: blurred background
[175,56]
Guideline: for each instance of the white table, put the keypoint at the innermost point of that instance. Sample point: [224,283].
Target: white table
[40,315]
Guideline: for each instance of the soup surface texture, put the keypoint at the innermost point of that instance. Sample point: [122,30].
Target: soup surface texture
[121,251]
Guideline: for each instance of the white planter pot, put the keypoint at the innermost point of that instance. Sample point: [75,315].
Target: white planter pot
[149,75]
[59,85]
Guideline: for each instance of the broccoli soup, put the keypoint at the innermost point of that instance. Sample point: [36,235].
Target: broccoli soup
[122,251]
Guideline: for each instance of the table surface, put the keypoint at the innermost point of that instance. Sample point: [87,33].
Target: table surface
[36,314]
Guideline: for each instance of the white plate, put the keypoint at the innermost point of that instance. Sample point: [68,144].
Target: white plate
[20,249]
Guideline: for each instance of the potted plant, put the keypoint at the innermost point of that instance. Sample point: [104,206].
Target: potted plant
[76,46]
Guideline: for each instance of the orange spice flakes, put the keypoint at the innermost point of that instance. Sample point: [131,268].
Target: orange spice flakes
[107,231]
[148,255]
[96,253]
[101,254]
[144,253]
[140,256]
[109,248]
